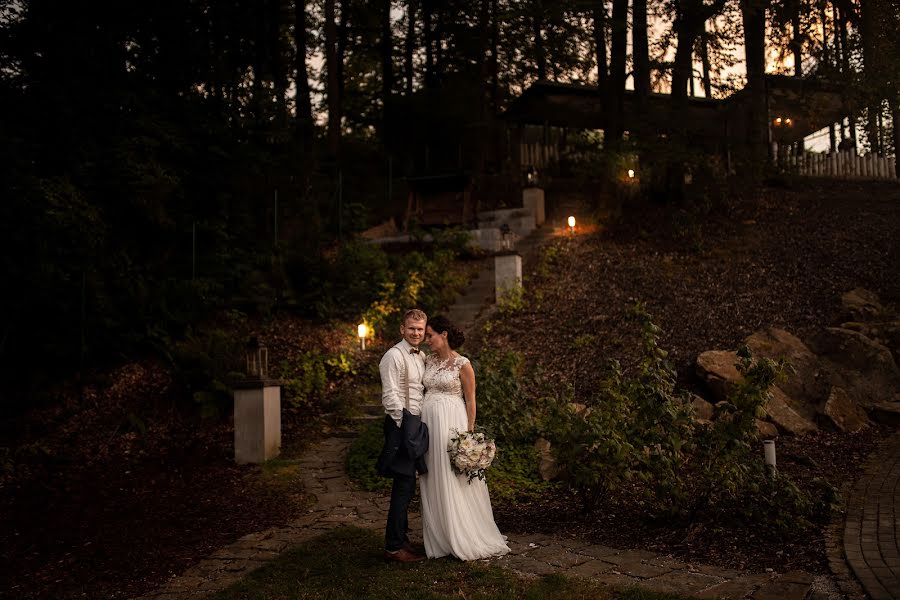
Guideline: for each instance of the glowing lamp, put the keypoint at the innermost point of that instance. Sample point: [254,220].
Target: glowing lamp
[789,122]
[571,222]
[778,120]
[630,173]
[362,331]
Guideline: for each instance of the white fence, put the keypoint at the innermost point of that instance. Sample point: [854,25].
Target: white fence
[841,164]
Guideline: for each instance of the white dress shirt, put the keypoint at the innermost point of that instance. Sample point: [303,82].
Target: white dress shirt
[400,371]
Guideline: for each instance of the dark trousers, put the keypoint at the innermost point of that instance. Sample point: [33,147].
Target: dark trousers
[397,520]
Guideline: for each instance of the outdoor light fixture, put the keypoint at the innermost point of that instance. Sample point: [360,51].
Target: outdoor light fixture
[572,225]
[778,120]
[769,450]
[256,356]
[630,173]
[789,122]
[362,330]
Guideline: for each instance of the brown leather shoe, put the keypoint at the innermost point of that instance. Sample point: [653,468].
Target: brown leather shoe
[414,549]
[403,555]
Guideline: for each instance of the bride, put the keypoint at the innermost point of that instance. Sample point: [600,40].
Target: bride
[456,515]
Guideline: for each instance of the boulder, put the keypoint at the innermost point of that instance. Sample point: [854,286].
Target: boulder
[807,386]
[716,368]
[547,467]
[858,364]
[861,304]
[844,412]
[703,410]
[886,413]
[767,431]
[784,416]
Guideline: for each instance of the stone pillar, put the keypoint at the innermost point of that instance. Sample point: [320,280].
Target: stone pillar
[257,421]
[533,201]
[507,272]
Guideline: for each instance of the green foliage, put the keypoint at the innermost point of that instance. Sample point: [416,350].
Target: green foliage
[364,454]
[205,362]
[504,408]
[514,477]
[637,429]
[512,300]
[305,379]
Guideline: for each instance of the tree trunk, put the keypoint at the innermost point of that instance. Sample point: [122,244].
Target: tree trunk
[895,119]
[754,20]
[797,38]
[600,42]
[617,76]
[410,45]
[304,101]
[867,30]
[640,52]
[279,68]
[429,44]
[845,66]
[537,23]
[495,59]
[260,92]
[342,30]
[704,59]
[333,91]
[387,66]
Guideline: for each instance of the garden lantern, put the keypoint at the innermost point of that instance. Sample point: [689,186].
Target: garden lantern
[257,408]
[769,452]
[531,176]
[362,331]
[630,173]
[571,222]
[256,356]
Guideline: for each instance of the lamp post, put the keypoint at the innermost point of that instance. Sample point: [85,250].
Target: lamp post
[257,408]
[362,331]
[571,222]
[769,453]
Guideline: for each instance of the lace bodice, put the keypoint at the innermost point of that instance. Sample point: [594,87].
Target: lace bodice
[442,376]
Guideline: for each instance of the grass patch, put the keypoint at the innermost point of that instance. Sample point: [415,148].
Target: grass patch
[347,564]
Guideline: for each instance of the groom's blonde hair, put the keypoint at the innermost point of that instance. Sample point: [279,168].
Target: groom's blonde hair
[414,314]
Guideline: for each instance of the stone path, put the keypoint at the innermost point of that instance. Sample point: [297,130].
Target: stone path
[339,503]
[871,536]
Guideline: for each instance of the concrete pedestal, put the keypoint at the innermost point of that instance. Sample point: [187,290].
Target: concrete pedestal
[507,272]
[533,201]
[257,422]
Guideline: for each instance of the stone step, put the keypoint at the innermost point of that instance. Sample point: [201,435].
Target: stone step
[372,409]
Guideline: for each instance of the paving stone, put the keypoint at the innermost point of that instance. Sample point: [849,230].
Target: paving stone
[642,570]
[735,588]
[544,552]
[530,565]
[541,539]
[591,568]
[629,556]
[595,551]
[568,559]
[681,582]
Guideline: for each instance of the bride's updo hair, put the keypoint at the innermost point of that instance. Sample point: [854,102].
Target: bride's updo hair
[455,336]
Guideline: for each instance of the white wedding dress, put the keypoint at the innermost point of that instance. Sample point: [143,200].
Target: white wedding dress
[456,515]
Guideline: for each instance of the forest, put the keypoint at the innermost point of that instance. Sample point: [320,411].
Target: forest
[163,162]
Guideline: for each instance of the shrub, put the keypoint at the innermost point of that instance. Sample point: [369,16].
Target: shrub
[637,428]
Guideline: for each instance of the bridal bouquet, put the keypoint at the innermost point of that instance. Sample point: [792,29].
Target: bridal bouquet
[471,453]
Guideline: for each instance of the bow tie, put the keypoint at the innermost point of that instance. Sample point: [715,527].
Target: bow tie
[414,350]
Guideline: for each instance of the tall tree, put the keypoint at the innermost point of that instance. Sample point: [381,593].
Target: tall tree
[617,74]
[303,101]
[640,51]
[333,91]
[754,19]
[387,64]
[537,26]
[599,14]
[410,44]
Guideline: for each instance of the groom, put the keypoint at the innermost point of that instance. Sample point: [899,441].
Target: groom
[402,368]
